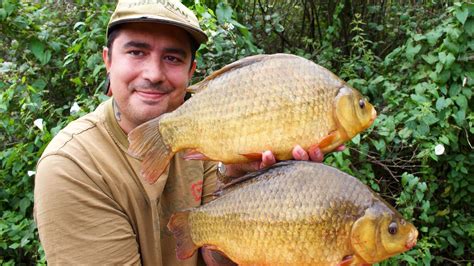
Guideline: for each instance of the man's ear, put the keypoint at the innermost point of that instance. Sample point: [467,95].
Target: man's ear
[192,69]
[105,57]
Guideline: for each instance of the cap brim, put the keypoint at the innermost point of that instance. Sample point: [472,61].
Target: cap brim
[197,34]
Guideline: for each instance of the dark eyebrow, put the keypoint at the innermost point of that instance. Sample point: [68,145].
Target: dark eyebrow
[179,51]
[134,44]
[144,45]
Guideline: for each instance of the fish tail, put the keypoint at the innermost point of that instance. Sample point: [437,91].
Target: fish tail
[147,142]
[181,230]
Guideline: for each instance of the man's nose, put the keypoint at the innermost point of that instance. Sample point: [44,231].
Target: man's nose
[153,71]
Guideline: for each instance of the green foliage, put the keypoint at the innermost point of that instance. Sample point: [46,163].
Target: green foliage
[419,154]
[413,61]
[42,75]
[228,39]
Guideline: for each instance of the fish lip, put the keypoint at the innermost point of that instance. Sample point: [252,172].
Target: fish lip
[410,245]
[412,239]
[374,115]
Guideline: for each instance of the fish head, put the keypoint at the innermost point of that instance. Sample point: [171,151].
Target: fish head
[382,233]
[353,111]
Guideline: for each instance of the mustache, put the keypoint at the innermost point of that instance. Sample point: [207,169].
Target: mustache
[147,85]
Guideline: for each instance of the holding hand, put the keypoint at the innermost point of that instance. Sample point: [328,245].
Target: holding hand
[268,159]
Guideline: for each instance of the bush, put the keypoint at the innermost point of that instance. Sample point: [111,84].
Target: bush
[419,154]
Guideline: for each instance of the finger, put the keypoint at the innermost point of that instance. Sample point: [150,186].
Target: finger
[236,170]
[340,148]
[299,153]
[268,159]
[316,155]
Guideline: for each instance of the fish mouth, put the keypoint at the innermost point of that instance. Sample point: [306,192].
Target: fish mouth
[411,242]
[374,115]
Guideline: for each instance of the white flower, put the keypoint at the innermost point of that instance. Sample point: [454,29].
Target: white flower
[439,149]
[5,67]
[31,173]
[464,81]
[74,108]
[39,123]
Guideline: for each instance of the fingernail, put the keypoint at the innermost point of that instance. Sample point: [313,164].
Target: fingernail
[300,152]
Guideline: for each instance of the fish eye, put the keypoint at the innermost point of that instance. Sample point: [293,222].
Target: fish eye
[361,103]
[393,228]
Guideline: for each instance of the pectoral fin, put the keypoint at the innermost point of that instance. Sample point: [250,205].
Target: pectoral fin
[256,156]
[194,154]
[352,260]
[147,143]
[327,141]
[181,230]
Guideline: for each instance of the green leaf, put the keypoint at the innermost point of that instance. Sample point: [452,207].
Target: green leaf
[441,103]
[433,36]
[223,12]
[39,84]
[405,179]
[279,28]
[449,60]
[452,241]
[24,204]
[37,48]
[411,50]
[3,14]
[442,57]
[422,129]
[430,58]
[419,195]
[430,119]
[379,145]
[24,241]
[461,101]
[356,139]
[451,46]
[377,80]
[460,117]
[461,14]
[14,245]
[454,90]
[419,98]
[408,259]
[444,140]
[469,27]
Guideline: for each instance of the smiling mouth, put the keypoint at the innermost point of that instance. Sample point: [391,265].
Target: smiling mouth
[150,95]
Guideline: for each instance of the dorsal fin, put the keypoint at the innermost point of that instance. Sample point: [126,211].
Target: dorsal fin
[235,65]
[232,66]
[233,184]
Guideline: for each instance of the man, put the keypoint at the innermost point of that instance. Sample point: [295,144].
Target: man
[91,204]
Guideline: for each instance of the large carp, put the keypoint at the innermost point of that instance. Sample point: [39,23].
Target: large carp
[262,102]
[295,213]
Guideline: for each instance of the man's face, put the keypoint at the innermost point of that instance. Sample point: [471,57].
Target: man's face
[150,67]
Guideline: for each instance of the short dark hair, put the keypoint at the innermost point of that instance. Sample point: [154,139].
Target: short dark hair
[114,32]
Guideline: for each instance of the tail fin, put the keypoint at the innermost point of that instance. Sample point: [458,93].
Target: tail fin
[181,230]
[146,142]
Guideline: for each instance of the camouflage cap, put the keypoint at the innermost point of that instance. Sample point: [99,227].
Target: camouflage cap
[171,12]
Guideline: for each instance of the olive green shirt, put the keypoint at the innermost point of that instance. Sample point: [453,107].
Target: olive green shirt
[93,207]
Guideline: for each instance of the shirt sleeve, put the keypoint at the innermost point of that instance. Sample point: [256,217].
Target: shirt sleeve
[78,222]
[209,182]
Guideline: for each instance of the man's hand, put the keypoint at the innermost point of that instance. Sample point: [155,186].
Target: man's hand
[268,159]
